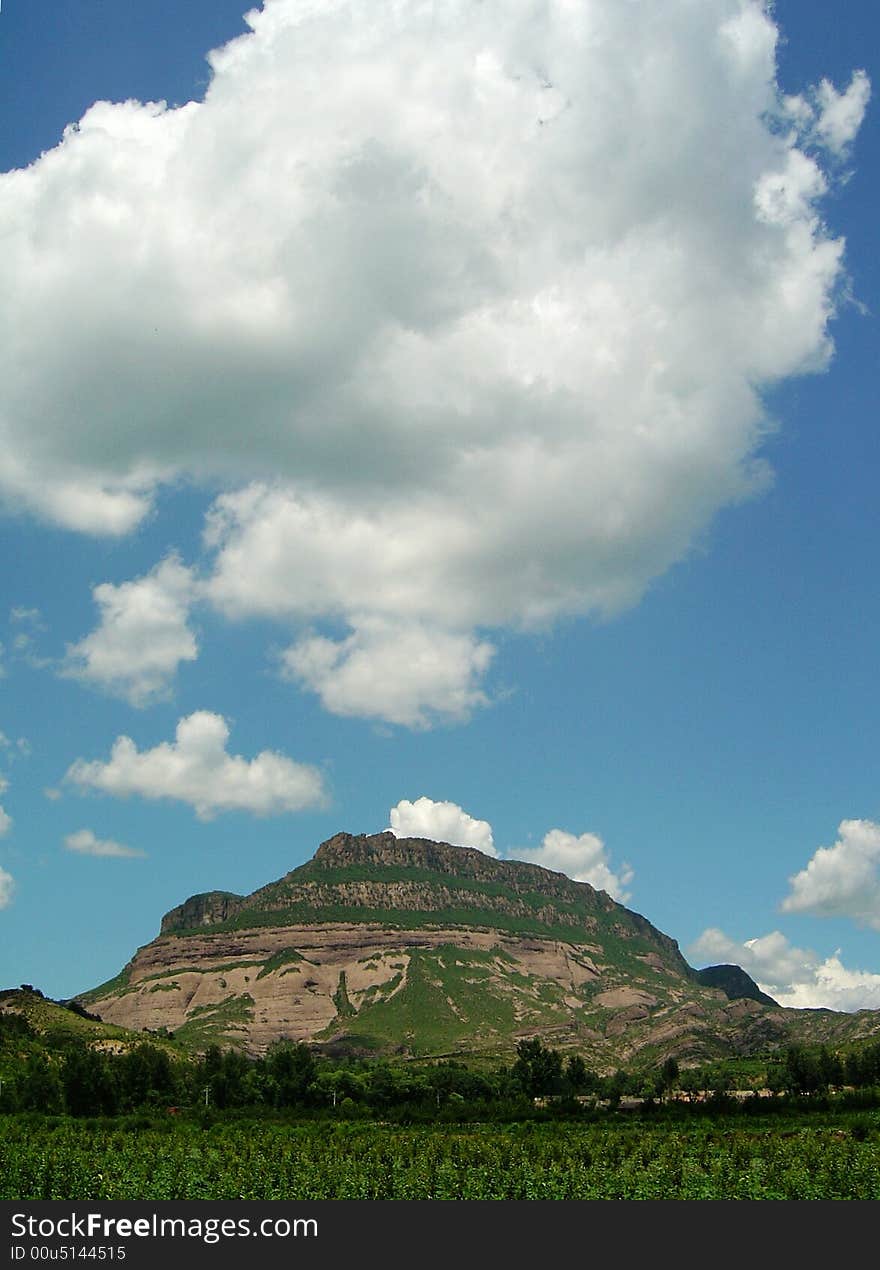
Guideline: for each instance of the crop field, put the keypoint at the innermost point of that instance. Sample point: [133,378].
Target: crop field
[63,1159]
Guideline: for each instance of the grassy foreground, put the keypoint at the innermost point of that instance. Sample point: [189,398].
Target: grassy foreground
[816,1157]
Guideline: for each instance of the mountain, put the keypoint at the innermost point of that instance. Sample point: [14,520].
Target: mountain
[402,945]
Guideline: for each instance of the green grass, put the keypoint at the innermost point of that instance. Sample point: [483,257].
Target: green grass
[450,1000]
[116,984]
[581,916]
[209,1024]
[305,913]
[200,970]
[45,1016]
[283,958]
[344,1008]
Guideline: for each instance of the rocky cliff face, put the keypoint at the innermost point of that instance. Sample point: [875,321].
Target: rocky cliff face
[381,944]
[201,910]
[365,875]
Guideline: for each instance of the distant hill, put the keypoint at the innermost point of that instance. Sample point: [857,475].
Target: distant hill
[58,1021]
[734,983]
[402,945]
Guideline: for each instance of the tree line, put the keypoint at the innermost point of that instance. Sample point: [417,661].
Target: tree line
[60,1073]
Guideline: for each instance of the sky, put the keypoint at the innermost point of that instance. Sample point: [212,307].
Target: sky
[454,418]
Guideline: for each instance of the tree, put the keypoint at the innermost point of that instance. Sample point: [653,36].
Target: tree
[830,1068]
[41,1088]
[802,1073]
[690,1082]
[89,1085]
[336,1085]
[578,1078]
[291,1068]
[669,1075]
[146,1076]
[538,1069]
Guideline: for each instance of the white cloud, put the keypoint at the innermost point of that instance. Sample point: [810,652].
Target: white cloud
[583,857]
[7,888]
[5,818]
[142,638]
[843,880]
[495,287]
[441,822]
[827,117]
[401,672]
[794,977]
[31,616]
[85,842]
[19,748]
[841,114]
[196,769]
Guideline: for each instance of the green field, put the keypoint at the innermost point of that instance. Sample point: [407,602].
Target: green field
[815,1157]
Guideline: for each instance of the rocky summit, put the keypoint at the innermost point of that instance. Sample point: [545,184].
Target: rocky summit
[381,944]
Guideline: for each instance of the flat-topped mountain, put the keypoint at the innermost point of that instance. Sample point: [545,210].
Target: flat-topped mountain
[381,876]
[385,944]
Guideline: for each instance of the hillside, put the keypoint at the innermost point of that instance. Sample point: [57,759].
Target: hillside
[57,1022]
[402,945]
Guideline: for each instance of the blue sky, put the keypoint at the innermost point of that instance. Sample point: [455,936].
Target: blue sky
[474,418]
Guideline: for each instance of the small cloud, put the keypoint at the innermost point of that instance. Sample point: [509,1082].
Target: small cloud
[85,842]
[841,114]
[843,880]
[7,888]
[441,822]
[196,769]
[795,977]
[24,644]
[406,673]
[583,858]
[52,793]
[142,637]
[31,617]
[19,748]
[5,823]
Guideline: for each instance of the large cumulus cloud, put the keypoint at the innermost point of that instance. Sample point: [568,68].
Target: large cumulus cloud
[468,306]
[842,880]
